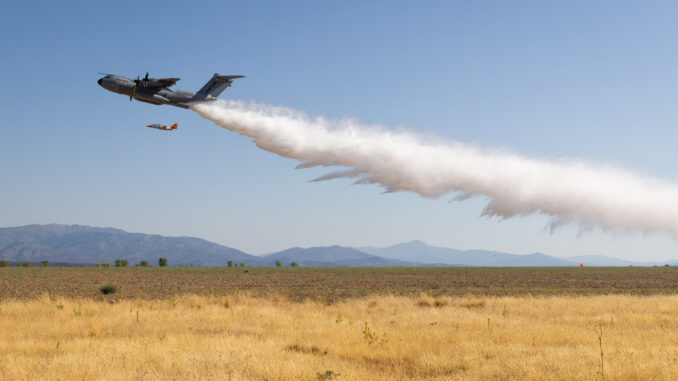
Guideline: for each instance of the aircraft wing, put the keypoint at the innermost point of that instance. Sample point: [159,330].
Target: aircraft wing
[158,83]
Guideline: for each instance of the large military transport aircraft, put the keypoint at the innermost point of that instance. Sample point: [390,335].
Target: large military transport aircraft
[157,90]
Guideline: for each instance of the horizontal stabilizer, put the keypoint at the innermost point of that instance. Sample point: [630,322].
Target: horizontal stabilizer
[216,85]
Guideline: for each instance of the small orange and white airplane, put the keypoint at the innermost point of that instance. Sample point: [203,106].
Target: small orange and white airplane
[163,127]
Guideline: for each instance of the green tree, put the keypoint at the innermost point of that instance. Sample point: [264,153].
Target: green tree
[124,262]
[45,263]
[278,263]
[294,264]
[118,262]
[230,263]
[242,264]
[162,262]
[4,263]
[143,263]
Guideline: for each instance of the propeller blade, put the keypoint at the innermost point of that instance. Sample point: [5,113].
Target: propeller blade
[134,89]
[146,79]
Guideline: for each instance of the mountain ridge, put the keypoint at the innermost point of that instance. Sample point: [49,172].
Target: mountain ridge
[82,245]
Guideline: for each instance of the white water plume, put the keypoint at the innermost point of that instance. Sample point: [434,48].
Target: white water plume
[566,190]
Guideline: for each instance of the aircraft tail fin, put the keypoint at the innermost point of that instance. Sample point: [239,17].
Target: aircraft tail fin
[216,85]
[174,126]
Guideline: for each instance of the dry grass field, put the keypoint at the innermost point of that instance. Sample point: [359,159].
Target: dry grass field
[339,323]
[241,337]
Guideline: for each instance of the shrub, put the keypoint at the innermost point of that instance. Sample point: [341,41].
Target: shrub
[4,263]
[294,264]
[124,262]
[108,289]
[143,263]
[242,264]
[118,263]
[230,263]
[328,375]
[107,265]
[100,265]
[45,263]
[25,264]
[278,264]
[162,262]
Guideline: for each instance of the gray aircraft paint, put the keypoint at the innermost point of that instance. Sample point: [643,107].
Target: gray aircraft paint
[157,91]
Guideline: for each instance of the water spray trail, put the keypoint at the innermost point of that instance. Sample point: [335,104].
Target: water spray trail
[566,190]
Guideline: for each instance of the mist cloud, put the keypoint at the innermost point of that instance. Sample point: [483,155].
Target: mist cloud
[569,191]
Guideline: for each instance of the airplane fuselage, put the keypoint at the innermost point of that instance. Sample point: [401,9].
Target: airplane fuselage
[161,96]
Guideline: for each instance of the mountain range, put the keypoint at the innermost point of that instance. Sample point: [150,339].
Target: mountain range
[86,245]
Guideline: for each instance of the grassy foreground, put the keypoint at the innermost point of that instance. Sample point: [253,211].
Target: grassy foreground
[242,337]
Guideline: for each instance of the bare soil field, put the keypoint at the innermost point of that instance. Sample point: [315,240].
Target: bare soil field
[334,284]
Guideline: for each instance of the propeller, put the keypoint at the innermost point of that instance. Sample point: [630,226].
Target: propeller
[146,79]
[134,89]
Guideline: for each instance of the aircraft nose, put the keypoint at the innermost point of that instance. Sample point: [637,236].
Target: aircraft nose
[99,81]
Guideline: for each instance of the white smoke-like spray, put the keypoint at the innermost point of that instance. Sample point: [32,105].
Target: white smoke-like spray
[566,190]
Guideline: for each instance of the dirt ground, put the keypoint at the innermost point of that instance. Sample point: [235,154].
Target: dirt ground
[333,284]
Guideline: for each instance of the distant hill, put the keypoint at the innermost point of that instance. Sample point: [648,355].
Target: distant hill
[86,245]
[333,256]
[421,252]
[89,245]
[424,253]
[601,260]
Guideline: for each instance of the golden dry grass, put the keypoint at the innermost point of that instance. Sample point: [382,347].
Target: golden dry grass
[376,338]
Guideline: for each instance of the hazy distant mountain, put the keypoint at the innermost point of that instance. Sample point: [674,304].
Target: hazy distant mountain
[601,260]
[76,244]
[332,256]
[88,245]
[421,252]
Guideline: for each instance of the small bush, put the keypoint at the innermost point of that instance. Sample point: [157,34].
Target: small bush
[100,265]
[4,263]
[328,375]
[302,349]
[143,263]
[162,262]
[45,263]
[278,264]
[118,262]
[108,289]
[25,264]
[294,264]
[474,304]
[230,263]
[124,262]
[242,264]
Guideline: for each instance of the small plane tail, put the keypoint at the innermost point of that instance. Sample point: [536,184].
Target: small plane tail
[174,126]
[216,85]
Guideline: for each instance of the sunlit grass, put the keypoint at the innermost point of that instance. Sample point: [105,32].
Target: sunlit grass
[374,338]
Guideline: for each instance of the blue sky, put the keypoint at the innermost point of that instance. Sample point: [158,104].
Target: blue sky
[580,79]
